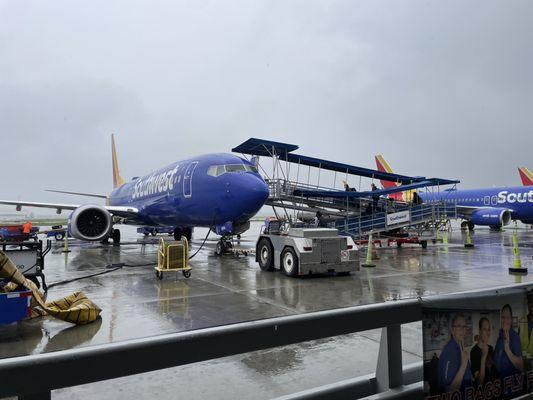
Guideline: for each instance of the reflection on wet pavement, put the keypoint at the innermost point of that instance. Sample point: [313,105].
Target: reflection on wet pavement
[224,290]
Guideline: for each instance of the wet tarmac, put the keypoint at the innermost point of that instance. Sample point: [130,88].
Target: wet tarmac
[229,289]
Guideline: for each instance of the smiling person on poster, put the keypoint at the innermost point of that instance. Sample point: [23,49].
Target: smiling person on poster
[454,362]
[482,355]
[508,350]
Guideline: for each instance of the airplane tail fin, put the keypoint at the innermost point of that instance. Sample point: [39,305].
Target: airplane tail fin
[117,179]
[526,175]
[384,166]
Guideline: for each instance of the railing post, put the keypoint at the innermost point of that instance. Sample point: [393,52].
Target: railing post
[37,396]
[389,373]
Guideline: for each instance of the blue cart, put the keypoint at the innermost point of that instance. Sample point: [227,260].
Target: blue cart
[14,306]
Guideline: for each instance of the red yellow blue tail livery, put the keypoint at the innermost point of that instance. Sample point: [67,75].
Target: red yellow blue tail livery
[526,175]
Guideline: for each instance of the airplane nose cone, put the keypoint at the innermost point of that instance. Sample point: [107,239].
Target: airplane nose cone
[250,192]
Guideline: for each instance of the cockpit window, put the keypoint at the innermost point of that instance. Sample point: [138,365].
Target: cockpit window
[235,168]
[251,168]
[212,170]
[217,170]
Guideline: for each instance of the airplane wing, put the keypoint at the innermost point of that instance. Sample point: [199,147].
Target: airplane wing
[59,207]
[119,211]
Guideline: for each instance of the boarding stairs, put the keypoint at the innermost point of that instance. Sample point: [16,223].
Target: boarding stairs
[352,217]
[423,218]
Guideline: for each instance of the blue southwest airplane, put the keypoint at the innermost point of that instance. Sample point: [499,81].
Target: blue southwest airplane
[218,191]
[493,207]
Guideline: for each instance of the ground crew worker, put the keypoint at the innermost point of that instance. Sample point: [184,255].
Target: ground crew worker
[375,197]
[26,228]
[347,187]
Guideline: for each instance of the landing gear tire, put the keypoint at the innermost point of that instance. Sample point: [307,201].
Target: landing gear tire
[59,237]
[159,274]
[154,232]
[471,226]
[265,255]
[146,234]
[177,233]
[115,236]
[223,246]
[187,232]
[219,249]
[464,225]
[187,273]
[424,244]
[289,262]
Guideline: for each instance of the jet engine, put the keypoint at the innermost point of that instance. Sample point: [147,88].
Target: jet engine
[491,217]
[90,222]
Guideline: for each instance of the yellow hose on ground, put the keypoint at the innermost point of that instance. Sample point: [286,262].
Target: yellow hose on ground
[75,308]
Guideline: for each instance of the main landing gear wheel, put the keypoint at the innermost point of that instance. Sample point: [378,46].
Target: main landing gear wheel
[289,262]
[59,236]
[265,255]
[177,233]
[115,236]
[187,232]
[154,232]
[187,273]
[159,274]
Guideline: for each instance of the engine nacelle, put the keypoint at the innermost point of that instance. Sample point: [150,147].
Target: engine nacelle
[90,222]
[491,217]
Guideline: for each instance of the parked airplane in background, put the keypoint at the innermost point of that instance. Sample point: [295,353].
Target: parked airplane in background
[526,175]
[218,191]
[492,207]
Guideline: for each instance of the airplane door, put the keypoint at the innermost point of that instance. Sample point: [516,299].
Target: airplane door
[486,200]
[187,179]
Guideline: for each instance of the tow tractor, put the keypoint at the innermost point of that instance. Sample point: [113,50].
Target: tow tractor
[298,250]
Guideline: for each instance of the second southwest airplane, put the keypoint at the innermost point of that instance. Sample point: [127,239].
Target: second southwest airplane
[218,191]
[492,207]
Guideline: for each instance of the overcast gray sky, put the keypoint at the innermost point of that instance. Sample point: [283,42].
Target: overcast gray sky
[441,88]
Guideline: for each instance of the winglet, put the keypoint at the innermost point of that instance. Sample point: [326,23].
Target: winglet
[526,175]
[117,179]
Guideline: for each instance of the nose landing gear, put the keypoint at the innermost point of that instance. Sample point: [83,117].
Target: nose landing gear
[224,245]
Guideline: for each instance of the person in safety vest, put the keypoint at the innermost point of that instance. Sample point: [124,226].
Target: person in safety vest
[26,228]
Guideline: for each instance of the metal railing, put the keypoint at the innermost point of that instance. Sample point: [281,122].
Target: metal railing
[154,353]
[35,376]
[377,222]
[357,217]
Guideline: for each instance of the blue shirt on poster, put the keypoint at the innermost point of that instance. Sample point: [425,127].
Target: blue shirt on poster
[449,364]
[501,360]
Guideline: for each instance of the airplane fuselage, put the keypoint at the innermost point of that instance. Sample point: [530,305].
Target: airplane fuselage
[204,191]
[518,200]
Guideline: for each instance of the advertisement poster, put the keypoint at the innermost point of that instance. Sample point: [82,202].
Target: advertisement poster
[478,348]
